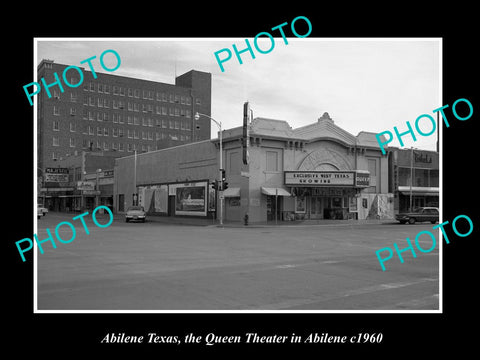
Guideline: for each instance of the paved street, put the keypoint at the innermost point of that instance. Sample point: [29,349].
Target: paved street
[158,266]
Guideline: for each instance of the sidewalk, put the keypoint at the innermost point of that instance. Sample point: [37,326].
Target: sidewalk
[193,221]
[239,224]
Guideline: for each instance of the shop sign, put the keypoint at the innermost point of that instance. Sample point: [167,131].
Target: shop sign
[363,179]
[56,175]
[91,192]
[319,178]
[85,185]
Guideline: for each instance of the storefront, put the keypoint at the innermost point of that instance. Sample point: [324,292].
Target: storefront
[178,199]
[414,178]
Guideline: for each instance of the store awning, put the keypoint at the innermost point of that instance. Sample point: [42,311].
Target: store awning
[275,191]
[231,192]
[419,190]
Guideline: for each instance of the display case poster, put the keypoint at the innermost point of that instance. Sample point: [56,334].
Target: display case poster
[190,200]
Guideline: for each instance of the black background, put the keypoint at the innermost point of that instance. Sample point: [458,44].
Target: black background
[61,335]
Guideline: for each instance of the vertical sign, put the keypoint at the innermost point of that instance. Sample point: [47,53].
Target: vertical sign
[246,132]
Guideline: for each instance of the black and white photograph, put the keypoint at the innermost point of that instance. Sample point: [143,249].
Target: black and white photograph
[289,228]
[277,183]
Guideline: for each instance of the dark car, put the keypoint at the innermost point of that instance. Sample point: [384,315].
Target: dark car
[419,215]
[135,213]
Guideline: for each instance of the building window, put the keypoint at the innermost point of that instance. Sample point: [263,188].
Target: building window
[272,161]
[177,112]
[72,142]
[121,147]
[105,145]
[106,89]
[136,107]
[164,123]
[73,111]
[150,135]
[188,100]
[56,141]
[120,119]
[72,127]
[120,132]
[100,88]
[136,120]
[56,126]
[105,131]
[100,102]
[90,130]
[130,92]
[164,110]
[73,97]
[129,147]
[198,101]
[92,86]
[136,93]
[114,146]
[99,131]
[129,120]
[54,155]
[130,106]
[135,134]
[144,121]
[114,132]
[56,110]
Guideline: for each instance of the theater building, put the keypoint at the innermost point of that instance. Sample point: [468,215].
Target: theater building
[314,172]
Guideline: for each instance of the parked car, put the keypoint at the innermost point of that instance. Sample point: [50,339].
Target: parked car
[41,211]
[419,215]
[135,213]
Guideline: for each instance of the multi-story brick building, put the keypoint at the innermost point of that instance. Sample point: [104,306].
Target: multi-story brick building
[117,113]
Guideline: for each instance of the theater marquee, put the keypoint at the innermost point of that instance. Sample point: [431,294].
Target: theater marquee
[326,178]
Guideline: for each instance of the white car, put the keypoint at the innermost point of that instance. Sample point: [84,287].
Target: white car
[41,211]
[135,213]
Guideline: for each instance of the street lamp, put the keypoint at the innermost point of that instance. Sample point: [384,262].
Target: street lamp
[219,124]
[97,187]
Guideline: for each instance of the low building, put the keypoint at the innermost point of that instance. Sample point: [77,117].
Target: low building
[78,182]
[318,171]
[414,178]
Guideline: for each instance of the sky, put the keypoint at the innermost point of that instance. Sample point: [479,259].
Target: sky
[365,84]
